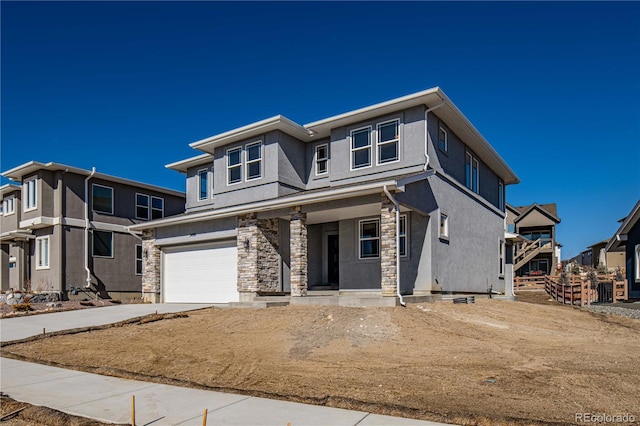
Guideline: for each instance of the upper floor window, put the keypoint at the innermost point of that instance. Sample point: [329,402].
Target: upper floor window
[322,159]
[471,172]
[203,188]
[30,193]
[102,244]
[369,237]
[361,148]
[9,205]
[444,226]
[388,140]
[443,139]
[234,166]
[42,252]
[102,200]
[501,195]
[157,207]
[253,154]
[142,206]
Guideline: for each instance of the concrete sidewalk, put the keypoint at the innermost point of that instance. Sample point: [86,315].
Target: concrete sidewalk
[21,327]
[109,399]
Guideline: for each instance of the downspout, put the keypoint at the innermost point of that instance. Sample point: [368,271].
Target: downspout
[86,227]
[397,207]
[426,133]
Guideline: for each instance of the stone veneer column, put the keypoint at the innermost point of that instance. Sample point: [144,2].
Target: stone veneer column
[298,235]
[247,256]
[150,268]
[388,247]
[268,255]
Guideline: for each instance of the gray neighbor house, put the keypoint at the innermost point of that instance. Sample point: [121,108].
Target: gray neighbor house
[404,197]
[64,230]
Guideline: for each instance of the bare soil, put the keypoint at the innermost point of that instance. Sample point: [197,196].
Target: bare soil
[33,415]
[8,311]
[493,362]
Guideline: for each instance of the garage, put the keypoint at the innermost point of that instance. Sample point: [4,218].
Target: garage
[203,273]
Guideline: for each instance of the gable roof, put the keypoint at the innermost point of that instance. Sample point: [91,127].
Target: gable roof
[549,210]
[17,173]
[620,237]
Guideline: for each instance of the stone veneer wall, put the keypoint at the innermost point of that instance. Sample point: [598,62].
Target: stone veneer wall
[298,231]
[388,247]
[247,253]
[268,255]
[258,254]
[150,268]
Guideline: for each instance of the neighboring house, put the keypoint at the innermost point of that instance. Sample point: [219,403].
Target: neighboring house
[610,260]
[627,240]
[540,254]
[65,228]
[401,197]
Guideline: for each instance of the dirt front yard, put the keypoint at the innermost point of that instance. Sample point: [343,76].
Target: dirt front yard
[492,362]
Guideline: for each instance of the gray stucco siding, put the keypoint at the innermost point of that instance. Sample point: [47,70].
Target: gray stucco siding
[4,267]
[47,278]
[193,187]
[10,222]
[356,274]
[313,180]
[292,167]
[118,272]
[197,229]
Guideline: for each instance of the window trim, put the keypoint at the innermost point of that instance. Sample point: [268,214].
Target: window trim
[148,206]
[28,194]
[39,264]
[443,235]
[404,217]
[5,204]
[352,150]
[360,238]
[469,182]
[502,257]
[446,139]
[136,259]
[501,205]
[395,141]
[93,244]
[318,159]
[206,184]
[93,185]
[229,167]
[247,161]
[152,209]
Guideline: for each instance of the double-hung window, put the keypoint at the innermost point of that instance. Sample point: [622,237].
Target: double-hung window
[253,154]
[102,244]
[142,206]
[322,159]
[234,165]
[501,257]
[203,188]
[30,194]
[9,205]
[388,141]
[138,259]
[369,238]
[443,139]
[471,172]
[42,252]
[157,207]
[361,148]
[102,200]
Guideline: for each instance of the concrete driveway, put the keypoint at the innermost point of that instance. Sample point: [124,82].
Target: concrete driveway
[21,327]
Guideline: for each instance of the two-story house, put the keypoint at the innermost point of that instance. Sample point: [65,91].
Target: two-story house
[402,197]
[626,240]
[64,230]
[539,254]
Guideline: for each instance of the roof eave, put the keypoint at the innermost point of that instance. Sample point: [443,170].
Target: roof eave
[182,165]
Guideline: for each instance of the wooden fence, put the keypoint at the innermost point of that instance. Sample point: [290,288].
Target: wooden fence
[578,291]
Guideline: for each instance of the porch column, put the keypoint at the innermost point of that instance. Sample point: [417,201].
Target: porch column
[268,256]
[247,256]
[298,235]
[388,247]
[150,268]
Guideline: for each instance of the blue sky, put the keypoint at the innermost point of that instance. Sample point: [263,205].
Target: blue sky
[126,86]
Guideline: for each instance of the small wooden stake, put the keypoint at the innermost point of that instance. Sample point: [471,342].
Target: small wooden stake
[133,410]
[204,418]
[44,332]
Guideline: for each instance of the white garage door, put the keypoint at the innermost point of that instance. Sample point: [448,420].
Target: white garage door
[204,273]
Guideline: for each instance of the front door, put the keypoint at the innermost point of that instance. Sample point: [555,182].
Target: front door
[333,259]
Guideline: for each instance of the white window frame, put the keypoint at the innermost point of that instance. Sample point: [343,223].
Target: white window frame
[206,184]
[30,194]
[135,255]
[443,218]
[501,255]
[139,205]
[501,195]
[9,201]
[404,218]
[238,165]
[318,159]
[637,254]
[40,253]
[471,183]
[395,141]
[93,244]
[93,208]
[152,209]
[247,162]
[441,130]
[360,238]
[353,150]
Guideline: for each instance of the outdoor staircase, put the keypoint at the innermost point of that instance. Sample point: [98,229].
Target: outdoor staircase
[528,251]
